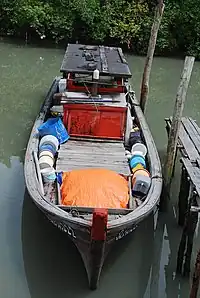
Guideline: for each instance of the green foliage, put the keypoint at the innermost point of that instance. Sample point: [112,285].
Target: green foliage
[117,21]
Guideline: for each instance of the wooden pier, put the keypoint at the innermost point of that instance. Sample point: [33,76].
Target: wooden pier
[189,194]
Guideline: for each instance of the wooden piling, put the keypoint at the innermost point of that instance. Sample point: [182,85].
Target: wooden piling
[183,197]
[196,278]
[192,223]
[186,244]
[149,59]
[176,121]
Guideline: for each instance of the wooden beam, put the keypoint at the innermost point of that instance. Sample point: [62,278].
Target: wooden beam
[122,211]
[196,278]
[176,121]
[149,59]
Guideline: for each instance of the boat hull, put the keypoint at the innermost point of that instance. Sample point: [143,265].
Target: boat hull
[93,253]
[78,229]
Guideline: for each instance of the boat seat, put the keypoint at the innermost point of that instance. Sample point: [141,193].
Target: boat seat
[76,154]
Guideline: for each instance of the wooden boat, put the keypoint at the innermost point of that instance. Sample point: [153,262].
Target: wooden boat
[85,95]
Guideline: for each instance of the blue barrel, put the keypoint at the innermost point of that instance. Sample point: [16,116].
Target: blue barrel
[137,159]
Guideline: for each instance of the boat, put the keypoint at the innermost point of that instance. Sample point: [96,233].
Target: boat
[97,106]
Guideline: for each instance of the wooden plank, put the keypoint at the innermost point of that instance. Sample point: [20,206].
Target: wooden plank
[193,122]
[83,154]
[92,160]
[123,211]
[95,140]
[108,145]
[192,132]
[104,62]
[67,168]
[122,56]
[98,151]
[194,174]
[94,157]
[58,193]
[187,143]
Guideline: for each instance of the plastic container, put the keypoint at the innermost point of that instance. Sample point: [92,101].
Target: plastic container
[138,167]
[48,174]
[62,85]
[47,147]
[49,140]
[135,137]
[46,162]
[54,127]
[141,185]
[139,149]
[142,172]
[137,159]
[46,153]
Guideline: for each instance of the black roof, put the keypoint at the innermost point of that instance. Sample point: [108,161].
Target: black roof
[83,59]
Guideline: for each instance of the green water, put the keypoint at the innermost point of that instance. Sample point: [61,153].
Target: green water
[36,259]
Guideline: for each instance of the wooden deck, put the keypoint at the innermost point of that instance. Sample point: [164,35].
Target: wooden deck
[88,154]
[189,194]
[189,147]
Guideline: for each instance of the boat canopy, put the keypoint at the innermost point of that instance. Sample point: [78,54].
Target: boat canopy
[84,59]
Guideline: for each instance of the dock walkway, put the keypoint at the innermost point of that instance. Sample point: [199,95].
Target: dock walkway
[189,194]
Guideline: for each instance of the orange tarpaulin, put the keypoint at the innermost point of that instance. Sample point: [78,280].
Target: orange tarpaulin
[99,188]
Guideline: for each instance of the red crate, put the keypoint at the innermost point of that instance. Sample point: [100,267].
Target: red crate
[85,120]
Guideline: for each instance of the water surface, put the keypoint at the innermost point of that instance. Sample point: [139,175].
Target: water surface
[36,259]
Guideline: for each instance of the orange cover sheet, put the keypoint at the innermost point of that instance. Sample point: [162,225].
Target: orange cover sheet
[100,188]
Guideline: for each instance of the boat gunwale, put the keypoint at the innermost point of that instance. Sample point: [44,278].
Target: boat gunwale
[134,216]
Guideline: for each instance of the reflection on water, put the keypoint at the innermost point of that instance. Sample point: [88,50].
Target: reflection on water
[36,259]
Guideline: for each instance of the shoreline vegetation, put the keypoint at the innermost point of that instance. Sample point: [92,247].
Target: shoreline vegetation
[125,23]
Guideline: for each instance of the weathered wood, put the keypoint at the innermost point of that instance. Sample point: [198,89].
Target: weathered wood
[194,174]
[76,154]
[196,278]
[182,245]
[195,125]
[192,132]
[40,182]
[58,193]
[104,62]
[131,199]
[185,141]
[90,161]
[114,211]
[178,109]
[67,168]
[122,55]
[94,143]
[183,197]
[192,223]
[187,239]
[149,59]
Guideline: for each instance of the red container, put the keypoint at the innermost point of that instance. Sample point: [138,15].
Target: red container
[87,120]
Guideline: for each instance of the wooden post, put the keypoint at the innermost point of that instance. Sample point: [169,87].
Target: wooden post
[192,223]
[183,197]
[187,239]
[196,278]
[149,59]
[176,121]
